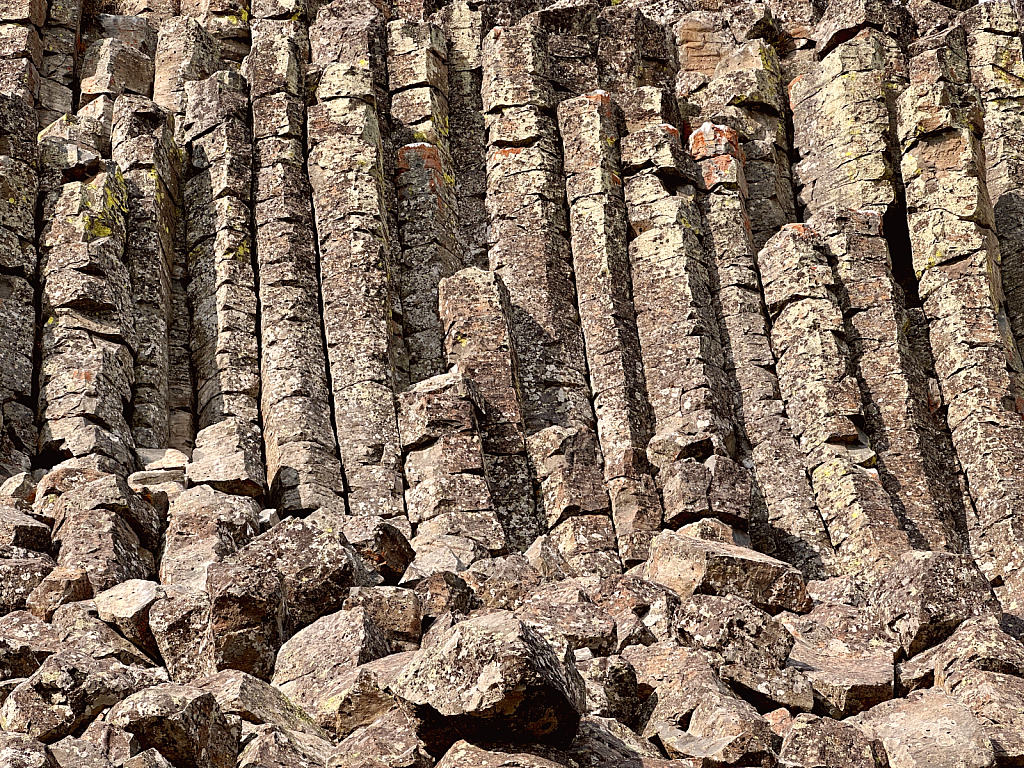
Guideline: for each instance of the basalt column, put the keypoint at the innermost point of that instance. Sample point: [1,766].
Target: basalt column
[850,191]
[464,27]
[222,289]
[303,469]
[353,199]
[21,50]
[475,309]
[795,530]
[590,127]
[88,339]
[18,185]
[956,254]
[823,402]
[677,327]
[529,249]
[425,186]
[996,60]
[143,145]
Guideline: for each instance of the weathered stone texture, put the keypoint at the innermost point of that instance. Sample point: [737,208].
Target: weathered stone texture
[553,384]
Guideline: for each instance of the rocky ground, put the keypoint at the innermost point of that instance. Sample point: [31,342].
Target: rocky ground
[577,384]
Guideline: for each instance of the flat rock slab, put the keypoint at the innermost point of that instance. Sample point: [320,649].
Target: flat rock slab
[695,566]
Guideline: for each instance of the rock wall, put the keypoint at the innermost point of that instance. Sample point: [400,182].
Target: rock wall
[576,384]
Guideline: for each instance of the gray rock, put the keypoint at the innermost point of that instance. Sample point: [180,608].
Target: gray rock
[494,675]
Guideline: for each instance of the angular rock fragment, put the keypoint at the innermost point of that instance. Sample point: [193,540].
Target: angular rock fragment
[68,690]
[688,566]
[530,693]
[181,722]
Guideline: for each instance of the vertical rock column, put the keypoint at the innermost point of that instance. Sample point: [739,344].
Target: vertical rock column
[60,58]
[18,184]
[225,20]
[676,323]
[823,402]
[474,306]
[463,26]
[88,339]
[143,145]
[301,453]
[977,362]
[841,125]
[529,249]
[849,187]
[746,94]
[222,289]
[425,185]
[21,49]
[184,53]
[796,531]
[996,60]
[590,128]
[914,464]
[348,171]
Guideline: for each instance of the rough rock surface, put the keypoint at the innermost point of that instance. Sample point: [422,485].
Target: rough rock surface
[543,383]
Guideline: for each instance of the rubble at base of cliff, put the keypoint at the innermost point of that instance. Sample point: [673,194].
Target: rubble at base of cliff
[511,384]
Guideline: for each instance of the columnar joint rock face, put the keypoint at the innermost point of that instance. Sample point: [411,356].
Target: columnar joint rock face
[222,286]
[303,469]
[576,384]
[353,199]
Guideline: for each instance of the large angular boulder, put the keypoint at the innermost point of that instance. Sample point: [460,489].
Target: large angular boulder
[25,643]
[694,566]
[127,606]
[316,565]
[183,723]
[272,746]
[319,669]
[20,751]
[847,656]
[257,702]
[203,526]
[466,755]
[927,729]
[180,622]
[821,741]
[391,739]
[68,690]
[79,626]
[493,677]
[927,595]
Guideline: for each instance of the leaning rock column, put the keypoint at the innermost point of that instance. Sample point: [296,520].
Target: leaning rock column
[996,60]
[956,255]
[303,468]
[425,186]
[474,307]
[222,288]
[348,171]
[796,531]
[19,182]
[590,128]
[530,250]
[823,402]
[914,465]
[88,325]
[143,145]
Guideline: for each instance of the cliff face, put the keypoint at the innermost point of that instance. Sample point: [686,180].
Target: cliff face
[401,383]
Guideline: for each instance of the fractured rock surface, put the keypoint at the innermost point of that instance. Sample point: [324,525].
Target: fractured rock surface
[539,383]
